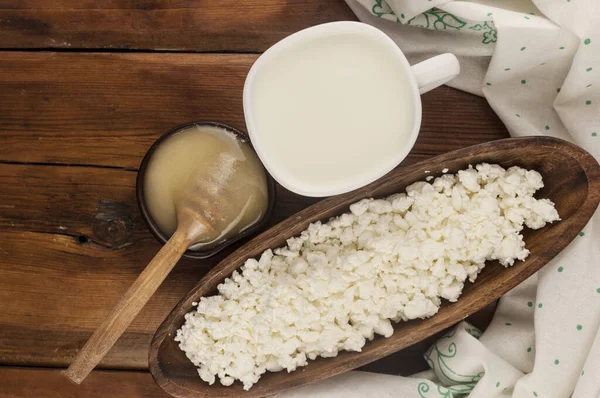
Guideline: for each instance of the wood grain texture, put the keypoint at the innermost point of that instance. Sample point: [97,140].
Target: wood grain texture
[58,107]
[131,303]
[72,238]
[48,383]
[178,25]
[572,182]
[55,292]
[95,205]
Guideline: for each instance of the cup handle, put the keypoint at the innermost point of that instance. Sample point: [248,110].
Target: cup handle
[435,71]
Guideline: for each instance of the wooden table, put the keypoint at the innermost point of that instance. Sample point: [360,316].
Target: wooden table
[85,88]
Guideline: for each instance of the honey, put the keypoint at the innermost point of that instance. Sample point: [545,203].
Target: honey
[211,171]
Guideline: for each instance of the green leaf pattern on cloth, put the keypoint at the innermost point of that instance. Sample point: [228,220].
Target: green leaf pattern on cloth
[437,19]
[475,332]
[378,8]
[438,358]
[428,391]
[381,9]
[489,33]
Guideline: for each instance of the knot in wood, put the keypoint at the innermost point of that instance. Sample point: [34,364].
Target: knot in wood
[113,223]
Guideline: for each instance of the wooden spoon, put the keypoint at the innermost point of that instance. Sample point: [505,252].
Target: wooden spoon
[572,181]
[191,228]
[215,203]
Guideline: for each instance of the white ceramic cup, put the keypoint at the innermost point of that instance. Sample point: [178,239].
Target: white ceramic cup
[422,77]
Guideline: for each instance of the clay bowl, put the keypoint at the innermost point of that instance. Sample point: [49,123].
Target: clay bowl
[153,226]
[572,179]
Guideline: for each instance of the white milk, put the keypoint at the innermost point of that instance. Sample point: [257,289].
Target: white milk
[330,109]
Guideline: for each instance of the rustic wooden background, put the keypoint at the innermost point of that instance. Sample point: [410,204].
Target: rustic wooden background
[85,87]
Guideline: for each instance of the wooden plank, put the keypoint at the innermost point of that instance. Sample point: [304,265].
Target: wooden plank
[107,109]
[57,108]
[190,25]
[54,292]
[49,383]
[88,203]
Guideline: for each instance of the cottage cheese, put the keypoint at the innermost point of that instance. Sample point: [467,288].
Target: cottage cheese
[340,283]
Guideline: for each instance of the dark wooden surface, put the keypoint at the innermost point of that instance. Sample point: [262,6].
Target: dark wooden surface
[74,126]
[50,383]
[190,25]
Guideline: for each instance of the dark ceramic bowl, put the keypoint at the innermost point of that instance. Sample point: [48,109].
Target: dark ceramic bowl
[200,253]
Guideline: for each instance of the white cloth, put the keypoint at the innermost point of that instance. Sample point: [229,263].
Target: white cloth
[538,64]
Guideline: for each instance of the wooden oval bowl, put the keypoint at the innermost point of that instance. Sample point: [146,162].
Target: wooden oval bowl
[572,181]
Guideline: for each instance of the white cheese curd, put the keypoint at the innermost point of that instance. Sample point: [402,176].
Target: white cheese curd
[340,283]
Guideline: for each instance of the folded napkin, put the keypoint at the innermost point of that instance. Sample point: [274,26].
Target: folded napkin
[538,65]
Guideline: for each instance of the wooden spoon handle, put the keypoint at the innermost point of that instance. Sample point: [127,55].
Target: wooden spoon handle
[128,307]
